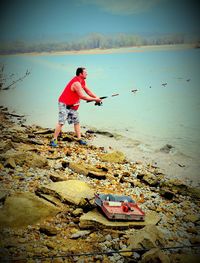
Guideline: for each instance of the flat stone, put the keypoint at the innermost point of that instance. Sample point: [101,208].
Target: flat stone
[22,209]
[113,157]
[97,175]
[73,191]
[20,158]
[194,192]
[58,178]
[94,218]
[55,201]
[77,212]
[44,131]
[148,237]
[10,163]
[79,234]
[48,230]
[88,170]
[78,168]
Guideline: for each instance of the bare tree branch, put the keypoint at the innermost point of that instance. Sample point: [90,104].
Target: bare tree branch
[4,79]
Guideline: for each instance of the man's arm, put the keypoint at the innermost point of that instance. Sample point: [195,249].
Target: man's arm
[76,87]
[89,92]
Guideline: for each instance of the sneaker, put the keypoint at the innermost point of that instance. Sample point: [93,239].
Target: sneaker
[54,143]
[82,142]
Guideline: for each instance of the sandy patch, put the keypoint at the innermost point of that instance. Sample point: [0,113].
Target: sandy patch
[106,51]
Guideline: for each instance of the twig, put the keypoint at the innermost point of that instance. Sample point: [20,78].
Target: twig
[14,82]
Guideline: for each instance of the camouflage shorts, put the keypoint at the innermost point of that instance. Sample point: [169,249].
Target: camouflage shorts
[67,114]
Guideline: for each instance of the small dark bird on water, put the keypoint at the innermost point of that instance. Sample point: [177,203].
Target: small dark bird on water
[164,84]
[134,90]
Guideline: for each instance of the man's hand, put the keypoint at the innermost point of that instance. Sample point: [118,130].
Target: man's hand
[98,100]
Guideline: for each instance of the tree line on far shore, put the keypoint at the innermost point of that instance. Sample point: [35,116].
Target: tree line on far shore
[94,41]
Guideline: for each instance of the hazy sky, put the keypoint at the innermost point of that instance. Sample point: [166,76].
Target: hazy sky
[37,19]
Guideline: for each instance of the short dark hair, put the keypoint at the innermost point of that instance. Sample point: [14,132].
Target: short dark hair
[79,71]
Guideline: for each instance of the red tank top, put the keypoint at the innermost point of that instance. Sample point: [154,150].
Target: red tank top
[70,97]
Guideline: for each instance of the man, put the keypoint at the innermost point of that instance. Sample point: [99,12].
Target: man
[69,101]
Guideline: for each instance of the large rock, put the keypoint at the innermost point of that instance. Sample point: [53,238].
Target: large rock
[194,192]
[3,195]
[58,177]
[72,191]
[105,133]
[24,158]
[44,131]
[94,219]
[113,157]
[22,209]
[148,237]
[150,178]
[88,170]
[177,186]
[185,258]
[155,255]
[6,145]
[79,168]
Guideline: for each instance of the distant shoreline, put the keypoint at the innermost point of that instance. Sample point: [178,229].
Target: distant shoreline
[107,51]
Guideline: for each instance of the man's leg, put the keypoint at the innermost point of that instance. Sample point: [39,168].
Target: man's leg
[57,130]
[77,130]
[75,119]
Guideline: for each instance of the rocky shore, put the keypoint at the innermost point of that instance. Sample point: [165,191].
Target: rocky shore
[48,213]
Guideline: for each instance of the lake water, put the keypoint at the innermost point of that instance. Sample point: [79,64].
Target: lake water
[155,114]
